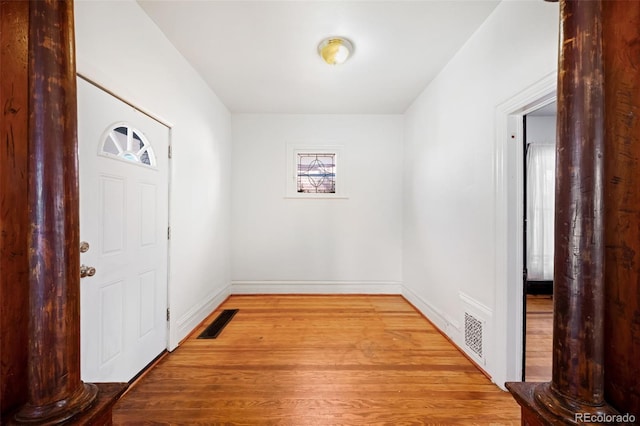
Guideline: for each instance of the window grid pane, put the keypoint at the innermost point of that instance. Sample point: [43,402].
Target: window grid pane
[126,143]
[316,173]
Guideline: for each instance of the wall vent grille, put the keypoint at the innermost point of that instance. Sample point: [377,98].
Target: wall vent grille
[473,334]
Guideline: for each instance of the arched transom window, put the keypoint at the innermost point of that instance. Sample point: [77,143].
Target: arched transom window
[126,143]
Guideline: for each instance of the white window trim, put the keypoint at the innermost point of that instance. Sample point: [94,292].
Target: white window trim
[292,177]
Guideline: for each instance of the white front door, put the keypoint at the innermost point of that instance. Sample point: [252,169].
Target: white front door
[123,157]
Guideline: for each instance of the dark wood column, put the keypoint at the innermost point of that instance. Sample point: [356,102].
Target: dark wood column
[577,386]
[578,352]
[621,29]
[14,224]
[55,392]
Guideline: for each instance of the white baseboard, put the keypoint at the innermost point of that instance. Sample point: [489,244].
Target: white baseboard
[448,326]
[316,287]
[451,328]
[190,320]
[476,305]
[484,315]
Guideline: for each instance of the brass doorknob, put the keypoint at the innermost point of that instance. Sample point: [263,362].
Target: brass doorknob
[84,247]
[87,271]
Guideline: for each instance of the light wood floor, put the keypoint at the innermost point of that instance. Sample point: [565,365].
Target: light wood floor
[539,338]
[317,360]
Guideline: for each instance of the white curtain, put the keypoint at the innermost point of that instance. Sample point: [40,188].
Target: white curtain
[541,179]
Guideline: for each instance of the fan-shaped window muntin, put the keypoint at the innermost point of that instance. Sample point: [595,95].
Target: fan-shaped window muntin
[123,142]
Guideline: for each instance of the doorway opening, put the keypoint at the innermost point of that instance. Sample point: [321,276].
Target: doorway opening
[539,142]
[509,230]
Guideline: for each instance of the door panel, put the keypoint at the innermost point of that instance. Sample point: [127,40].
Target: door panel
[148,285]
[124,218]
[148,206]
[111,316]
[112,197]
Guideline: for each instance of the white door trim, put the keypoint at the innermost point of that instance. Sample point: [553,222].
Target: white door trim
[171,343]
[129,102]
[508,180]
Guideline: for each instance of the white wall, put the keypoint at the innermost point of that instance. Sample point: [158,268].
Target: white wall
[449,159]
[317,245]
[119,47]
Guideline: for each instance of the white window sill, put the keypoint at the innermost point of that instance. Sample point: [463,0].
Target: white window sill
[317,196]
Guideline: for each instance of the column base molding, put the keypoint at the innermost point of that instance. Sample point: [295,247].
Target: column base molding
[59,411]
[543,405]
[91,405]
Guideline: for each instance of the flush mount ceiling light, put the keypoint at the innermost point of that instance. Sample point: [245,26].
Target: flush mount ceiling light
[335,50]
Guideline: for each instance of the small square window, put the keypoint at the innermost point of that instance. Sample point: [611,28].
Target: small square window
[316,173]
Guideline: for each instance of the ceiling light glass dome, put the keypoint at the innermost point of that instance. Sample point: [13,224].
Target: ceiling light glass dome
[335,50]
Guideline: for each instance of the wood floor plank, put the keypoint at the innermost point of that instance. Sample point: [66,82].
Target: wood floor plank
[317,360]
[539,338]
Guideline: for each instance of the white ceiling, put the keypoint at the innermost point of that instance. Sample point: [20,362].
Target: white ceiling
[261,56]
